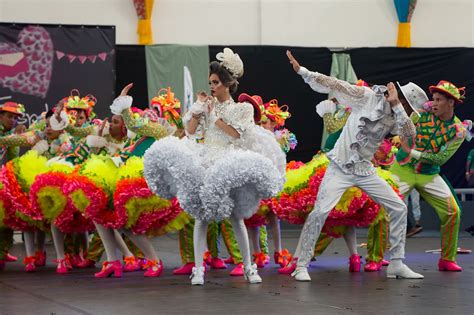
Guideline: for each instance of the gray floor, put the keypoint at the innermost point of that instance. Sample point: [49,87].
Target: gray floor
[333,290]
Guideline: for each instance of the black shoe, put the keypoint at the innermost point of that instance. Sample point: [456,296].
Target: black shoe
[414,230]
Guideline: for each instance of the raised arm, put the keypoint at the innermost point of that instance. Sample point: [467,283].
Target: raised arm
[121,106]
[345,92]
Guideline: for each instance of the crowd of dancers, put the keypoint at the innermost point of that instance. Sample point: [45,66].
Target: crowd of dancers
[220,170]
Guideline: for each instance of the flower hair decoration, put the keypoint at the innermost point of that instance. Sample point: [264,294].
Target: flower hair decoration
[277,113]
[232,62]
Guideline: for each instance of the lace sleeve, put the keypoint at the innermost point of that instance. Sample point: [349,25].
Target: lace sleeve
[239,116]
[343,91]
[403,124]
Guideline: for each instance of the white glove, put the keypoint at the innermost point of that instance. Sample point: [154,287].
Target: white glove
[198,108]
[41,146]
[120,104]
[96,141]
[117,161]
[131,134]
[56,125]
[169,129]
[325,107]
[58,160]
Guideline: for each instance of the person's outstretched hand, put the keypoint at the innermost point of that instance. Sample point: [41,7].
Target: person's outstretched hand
[392,96]
[293,61]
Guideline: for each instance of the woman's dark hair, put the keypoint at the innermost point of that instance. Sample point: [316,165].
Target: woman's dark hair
[224,76]
[80,110]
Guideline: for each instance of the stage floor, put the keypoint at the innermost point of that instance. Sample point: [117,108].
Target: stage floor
[333,290]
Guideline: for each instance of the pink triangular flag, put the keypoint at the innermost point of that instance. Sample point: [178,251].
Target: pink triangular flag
[71,57]
[92,58]
[82,59]
[102,56]
[59,54]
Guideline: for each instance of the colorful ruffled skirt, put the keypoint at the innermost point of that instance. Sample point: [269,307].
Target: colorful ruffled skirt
[56,195]
[17,177]
[129,203]
[145,212]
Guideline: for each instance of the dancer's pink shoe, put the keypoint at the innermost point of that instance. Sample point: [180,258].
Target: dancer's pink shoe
[354,263]
[385,263]
[289,268]
[62,267]
[40,260]
[86,263]
[447,265]
[153,268]
[186,269]
[259,259]
[109,268]
[207,257]
[75,260]
[29,262]
[372,266]
[230,261]
[11,258]
[217,263]
[238,270]
[282,257]
[132,264]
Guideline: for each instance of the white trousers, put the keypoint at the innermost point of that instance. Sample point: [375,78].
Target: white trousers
[332,187]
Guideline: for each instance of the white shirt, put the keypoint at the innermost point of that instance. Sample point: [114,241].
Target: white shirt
[371,119]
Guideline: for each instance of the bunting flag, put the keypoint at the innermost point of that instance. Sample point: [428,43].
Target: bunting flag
[83,58]
[143,9]
[405,9]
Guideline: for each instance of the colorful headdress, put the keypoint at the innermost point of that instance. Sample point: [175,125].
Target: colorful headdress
[75,102]
[12,107]
[277,113]
[449,89]
[168,107]
[232,62]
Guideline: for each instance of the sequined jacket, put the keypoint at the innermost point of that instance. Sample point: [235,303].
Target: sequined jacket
[435,143]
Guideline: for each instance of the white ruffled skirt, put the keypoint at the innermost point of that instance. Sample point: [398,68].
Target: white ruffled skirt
[211,183]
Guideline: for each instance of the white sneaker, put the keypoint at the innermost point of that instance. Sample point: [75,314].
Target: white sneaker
[301,274]
[197,276]
[402,272]
[251,274]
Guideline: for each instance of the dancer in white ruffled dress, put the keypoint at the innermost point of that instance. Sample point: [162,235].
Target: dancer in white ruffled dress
[239,163]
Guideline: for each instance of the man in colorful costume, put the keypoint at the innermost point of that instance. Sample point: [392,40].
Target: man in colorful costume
[9,114]
[439,135]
